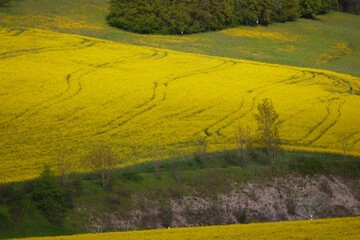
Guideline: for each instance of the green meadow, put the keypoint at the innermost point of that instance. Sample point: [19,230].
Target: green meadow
[331,42]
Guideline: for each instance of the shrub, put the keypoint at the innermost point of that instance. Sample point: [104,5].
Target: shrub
[131,176]
[230,159]
[165,214]
[241,216]
[5,217]
[311,166]
[112,200]
[9,195]
[50,197]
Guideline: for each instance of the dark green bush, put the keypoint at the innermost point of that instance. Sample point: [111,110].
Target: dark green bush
[311,166]
[131,176]
[50,197]
[8,194]
[5,217]
[231,159]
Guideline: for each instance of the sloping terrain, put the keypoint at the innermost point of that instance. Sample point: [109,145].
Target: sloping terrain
[331,42]
[331,229]
[69,92]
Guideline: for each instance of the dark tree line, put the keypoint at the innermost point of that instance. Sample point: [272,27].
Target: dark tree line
[191,16]
[350,6]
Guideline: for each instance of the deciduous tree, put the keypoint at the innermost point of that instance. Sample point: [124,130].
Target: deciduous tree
[268,128]
[243,141]
[101,160]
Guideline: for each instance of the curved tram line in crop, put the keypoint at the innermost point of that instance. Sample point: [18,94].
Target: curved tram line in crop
[131,115]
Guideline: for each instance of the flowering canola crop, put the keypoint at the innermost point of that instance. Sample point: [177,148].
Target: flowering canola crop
[60,91]
[330,229]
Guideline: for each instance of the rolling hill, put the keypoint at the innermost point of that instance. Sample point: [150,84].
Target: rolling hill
[331,42]
[63,92]
[69,82]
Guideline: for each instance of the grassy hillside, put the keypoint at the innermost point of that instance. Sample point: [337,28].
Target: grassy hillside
[65,93]
[332,42]
[330,229]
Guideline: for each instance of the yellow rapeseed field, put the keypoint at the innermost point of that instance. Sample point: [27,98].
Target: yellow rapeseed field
[329,229]
[65,93]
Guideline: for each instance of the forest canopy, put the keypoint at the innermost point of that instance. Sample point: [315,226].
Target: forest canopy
[192,16]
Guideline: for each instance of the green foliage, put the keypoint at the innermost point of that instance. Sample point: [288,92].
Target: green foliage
[4,3]
[166,214]
[5,217]
[268,128]
[209,180]
[50,197]
[12,207]
[311,166]
[350,6]
[191,16]
[242,217]
[311,8]
[131,176]
[101,160]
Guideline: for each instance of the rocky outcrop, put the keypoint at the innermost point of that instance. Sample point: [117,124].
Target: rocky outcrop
[291,197]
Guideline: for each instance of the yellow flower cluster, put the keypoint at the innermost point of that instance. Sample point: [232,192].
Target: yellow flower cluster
[58,22]
[337,50]
[61,91]
[253,32]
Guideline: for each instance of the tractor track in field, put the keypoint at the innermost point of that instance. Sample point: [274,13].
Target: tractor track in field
[323,126]
[224,65]
[15,32]
[185,115]
[158,96]
[304,76]
[337,81]
[196,112]
[181,115]
[356,141]
[119,121]
[208,131]
[350,140]
[70,115]
[74,87]
[353,138]
[29,51]
[39,106]
[230,118]
[328,127]
[236,117]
